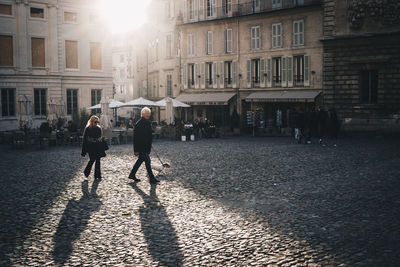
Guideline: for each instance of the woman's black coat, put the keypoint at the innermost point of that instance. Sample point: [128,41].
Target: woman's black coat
[142,136]
[90,143]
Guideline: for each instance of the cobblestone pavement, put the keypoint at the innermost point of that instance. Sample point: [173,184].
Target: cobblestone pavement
[225,202]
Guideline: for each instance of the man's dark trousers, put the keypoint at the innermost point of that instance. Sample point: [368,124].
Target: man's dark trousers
[146,158]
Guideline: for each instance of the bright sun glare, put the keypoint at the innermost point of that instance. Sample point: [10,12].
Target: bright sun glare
[124,15]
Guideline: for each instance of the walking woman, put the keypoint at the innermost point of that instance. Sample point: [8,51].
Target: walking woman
[91,144]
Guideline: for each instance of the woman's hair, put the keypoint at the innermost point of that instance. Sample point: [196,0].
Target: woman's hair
[145,109]
[92,120]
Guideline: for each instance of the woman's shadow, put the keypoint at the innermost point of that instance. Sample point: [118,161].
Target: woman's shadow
[74,221]
[158,231]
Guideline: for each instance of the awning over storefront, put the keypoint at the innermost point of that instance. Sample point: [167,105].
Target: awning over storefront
[205,99]
[284,96]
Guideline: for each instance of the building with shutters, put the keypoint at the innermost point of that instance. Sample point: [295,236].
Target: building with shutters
[259,58]
[51,51]
[362,63]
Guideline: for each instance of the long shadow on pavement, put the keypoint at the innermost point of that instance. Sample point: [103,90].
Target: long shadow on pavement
[29,182]
[74,221]
[342,201]
[157,229]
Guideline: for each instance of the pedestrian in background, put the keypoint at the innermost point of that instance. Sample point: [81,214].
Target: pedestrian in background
[321,123]
[91,144]
[142,140]
[334,125]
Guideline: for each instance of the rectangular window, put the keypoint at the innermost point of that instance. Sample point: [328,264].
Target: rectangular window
[369,87]
[298,32]
[191,9]
[72,101]
[190,45]
[70,16]
[276,68]
[277,35]
[95,99]
[191,75]
[209,79]
[209,43]
[6,51]
[95,56]
[255,5]
[169,85]
[169,46]
[228,40]
[7,102]
[38,52]
[71,54]
[298,70]
[37,12]
[211,8]
[227,7]
[276,4]
[5,9]
[40,99]
[255,38]
[255,71]
[228,73]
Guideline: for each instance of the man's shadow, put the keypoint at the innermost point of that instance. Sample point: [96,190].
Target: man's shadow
[74,221]
[158,231]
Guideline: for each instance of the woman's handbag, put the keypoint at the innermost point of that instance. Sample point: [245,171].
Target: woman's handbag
[104,144]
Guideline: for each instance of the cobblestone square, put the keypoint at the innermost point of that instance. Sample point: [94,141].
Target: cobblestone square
[224,202]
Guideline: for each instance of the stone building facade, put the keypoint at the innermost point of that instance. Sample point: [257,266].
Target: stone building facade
[260,58]
[361,58]
[51,52]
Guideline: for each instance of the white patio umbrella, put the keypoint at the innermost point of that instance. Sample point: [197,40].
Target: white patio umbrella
[175,103]
[51,112]
[140,102]
[105,120]
[25,112]
[113,104]
[169,111]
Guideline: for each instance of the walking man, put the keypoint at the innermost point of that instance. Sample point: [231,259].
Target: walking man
[142,139]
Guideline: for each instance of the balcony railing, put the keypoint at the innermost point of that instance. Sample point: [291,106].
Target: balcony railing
[255,82]
[244,9]
[228,82]
[209,83]
[298,80]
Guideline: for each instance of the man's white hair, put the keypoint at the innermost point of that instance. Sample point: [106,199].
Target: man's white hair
[145,109]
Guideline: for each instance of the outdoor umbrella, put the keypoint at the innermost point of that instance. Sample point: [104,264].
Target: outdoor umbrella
[25,112]
[51,112]
[175,103]
[112,104]
[105,120]
[140,102]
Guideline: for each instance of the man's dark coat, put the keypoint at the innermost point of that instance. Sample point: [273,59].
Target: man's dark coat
[142,136]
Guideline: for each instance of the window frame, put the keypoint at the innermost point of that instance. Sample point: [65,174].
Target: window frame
[72,103]
[228,40]
[70,11]
[90,57]
[12,10]
[257,39]
[371,94]
[276,37]
[13,50]
[45,51]
[299,33]
[40,90]
[37,6]
[210,43]
[8,102]
[96,91]
[77,55]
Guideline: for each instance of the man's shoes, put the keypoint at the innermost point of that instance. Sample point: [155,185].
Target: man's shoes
[154,181]
[134,178]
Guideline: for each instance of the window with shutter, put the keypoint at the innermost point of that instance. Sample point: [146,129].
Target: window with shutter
[5,9]
[71,54]
[298,32]
[7,102]
[307,68]
[38,52]
[234,74]
[95,56]
[269,72]
[248,73]
[6,51]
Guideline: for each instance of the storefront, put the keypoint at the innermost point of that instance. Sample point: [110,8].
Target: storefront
[215,107]
[271,112]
